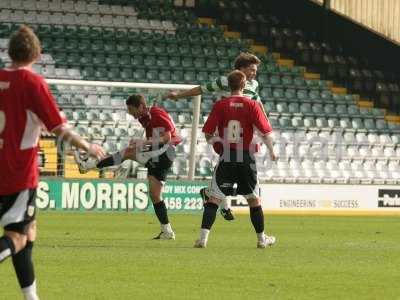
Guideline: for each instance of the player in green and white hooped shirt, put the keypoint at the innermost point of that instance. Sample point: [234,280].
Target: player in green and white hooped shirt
[248,64]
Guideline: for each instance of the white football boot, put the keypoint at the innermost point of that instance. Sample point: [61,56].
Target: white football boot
[267,241]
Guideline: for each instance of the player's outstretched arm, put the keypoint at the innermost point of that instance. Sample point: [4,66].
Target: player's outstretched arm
[188,93]
[67,135]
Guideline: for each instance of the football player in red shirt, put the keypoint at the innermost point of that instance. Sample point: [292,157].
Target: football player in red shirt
[26,105]
[156,152]
[230,128]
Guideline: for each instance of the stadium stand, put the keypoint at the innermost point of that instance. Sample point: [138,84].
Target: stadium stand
[323,134]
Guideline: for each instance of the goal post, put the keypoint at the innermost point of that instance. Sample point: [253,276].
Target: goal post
[150,86]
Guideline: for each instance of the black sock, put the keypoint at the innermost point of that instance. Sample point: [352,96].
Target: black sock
[209,214]
[161,212]
[257,218]
[109,161]
[23,266]
[6,248]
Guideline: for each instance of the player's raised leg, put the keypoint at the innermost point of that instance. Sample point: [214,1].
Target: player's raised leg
[86,163]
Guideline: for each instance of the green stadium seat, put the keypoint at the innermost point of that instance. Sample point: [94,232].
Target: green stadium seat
[220,51]
[357,124]
[160,49]
[84,46]
[152,76]
[353,110]
[112,60]
[275,80]
[109,47]
[174,63]
[333,123]
[202,77]
[108,34]
[95,33]
[271,68]
[224,65]
[124,60]
[122,47]
[381,125]
[184,50]
[189,76]
[135,48]
[172,50]
[321,123]
[299,82]
[297,123]
[305,108]
[278,93]
[187,63]
[177,76]
[139,75]
[162,63]
[199,63]
[293,108]
[302,95]
[147,48]
[150,61]
[330,109]
[137,60]
[345,123]
[287,81]
[338,98]
[197,51]
[341,109]
[99,59]
[88,72]
[318,109]
[232,52]
[282,107]
[284,122]
[266,94]
[114,74]
[312,84]
[126,74]
[121,34]
[101,73]
[263,79]
[290,94]
[314,96]
[326,96]
[97,46]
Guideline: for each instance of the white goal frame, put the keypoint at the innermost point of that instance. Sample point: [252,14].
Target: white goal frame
[157,86]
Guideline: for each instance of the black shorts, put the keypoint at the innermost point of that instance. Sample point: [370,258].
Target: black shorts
[233,171]
[18,210]
[159,166]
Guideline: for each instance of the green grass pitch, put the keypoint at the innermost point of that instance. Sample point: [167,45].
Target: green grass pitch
[112,256]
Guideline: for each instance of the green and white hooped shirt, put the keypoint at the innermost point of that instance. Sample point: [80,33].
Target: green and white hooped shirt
[220,87]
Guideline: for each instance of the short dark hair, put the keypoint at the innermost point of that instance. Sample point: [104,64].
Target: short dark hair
[135,100]
[24,46]
[236,80]
[246,59]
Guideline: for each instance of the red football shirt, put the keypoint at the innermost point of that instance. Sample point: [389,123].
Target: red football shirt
[235,118]
[26,105]
[158,121]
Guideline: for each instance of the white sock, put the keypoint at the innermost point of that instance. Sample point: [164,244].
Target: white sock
[30,292]
[261,236]
[166,227]
[204,234]
[224,204]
